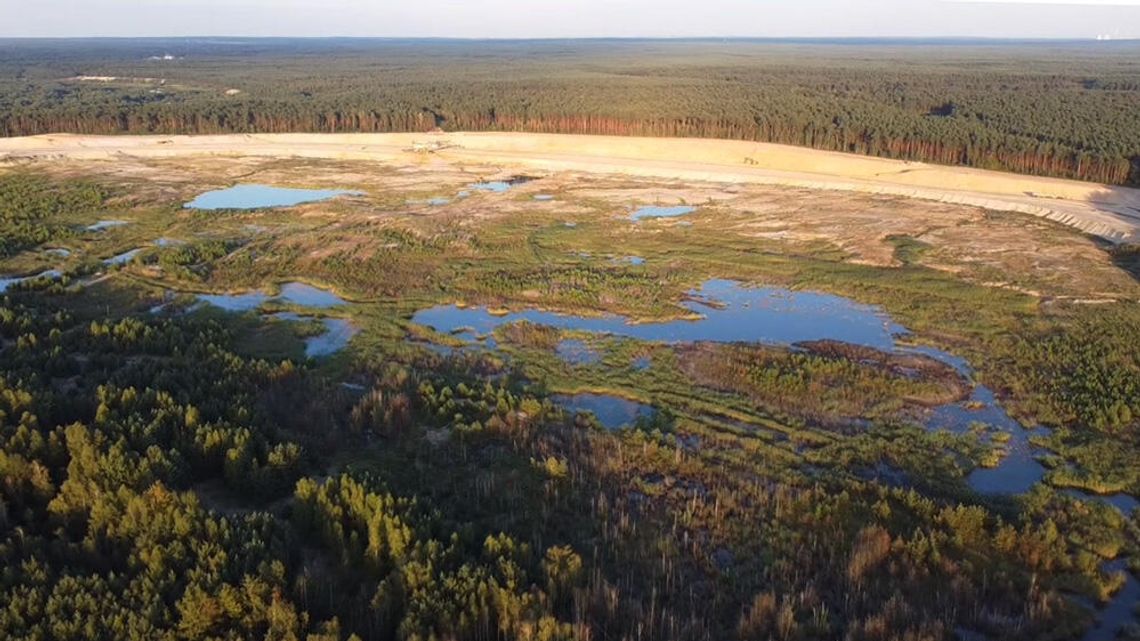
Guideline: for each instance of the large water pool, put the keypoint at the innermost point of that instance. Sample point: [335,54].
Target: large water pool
[262,196]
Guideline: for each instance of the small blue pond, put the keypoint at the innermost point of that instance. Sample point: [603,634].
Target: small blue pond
[298,294]
[5,283]
[260,196]
[576,352]
[338,333]
[1019,470]
[739,314]
[123,258]
[1120,611]
[653,211]
[309,296]
[496,186]
[499,186]
[1126,503]
[103,225]
[235,302]
[612,412]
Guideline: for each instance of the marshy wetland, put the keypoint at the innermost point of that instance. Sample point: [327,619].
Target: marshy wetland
[775,396]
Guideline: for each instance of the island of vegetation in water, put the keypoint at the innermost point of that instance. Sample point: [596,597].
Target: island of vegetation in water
[343,399]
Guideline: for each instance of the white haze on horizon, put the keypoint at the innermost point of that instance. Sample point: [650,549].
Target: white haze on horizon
[574,18]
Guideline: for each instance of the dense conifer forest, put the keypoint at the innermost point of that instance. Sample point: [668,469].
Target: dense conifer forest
[1070,110]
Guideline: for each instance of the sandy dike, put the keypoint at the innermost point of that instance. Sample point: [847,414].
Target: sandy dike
[1112,213]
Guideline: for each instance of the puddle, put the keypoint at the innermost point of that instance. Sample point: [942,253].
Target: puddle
[235,302]
[1120,610]
[298,294]
[5,283]
[543,197]
[653,211]
[635,260]
[259,196]
[642,363]
[960,365]
[499,186]
[309,296]
[59,251]
[576,352]
[612,412]
[168,242]
[106,224]
[338,333]
[496,186]
[741,314]
[1126,503]
[1019,470]
[123,258]
[433,202]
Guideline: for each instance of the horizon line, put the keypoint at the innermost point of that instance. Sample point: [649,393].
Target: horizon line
[948,38]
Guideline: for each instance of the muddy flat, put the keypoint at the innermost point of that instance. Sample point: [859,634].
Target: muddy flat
[1109,212]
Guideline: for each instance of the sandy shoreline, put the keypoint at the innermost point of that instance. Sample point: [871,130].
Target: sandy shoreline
[1110,212]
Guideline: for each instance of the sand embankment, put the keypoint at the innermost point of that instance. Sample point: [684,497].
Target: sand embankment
[1107,211]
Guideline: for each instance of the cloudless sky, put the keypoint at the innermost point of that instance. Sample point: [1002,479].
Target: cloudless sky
[573,18]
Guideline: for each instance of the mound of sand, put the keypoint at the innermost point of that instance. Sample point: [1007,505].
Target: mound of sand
[1110,212]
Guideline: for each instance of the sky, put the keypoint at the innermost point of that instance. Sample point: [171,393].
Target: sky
[1118,19]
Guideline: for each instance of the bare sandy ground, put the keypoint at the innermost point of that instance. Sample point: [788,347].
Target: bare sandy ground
[1112,213]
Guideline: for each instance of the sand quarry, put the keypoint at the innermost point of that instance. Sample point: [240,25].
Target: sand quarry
[1109,212]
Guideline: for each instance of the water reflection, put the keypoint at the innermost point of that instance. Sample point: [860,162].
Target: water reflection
[653,211]
[576,352]
[260,196]
[105,224]
[5,283]
[735,314]
[612,412]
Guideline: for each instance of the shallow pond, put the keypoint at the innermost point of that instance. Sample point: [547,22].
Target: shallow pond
[735,314]
[730,312]
[123,258]
[235,302]
[105,224]
[576,352]
[1120,610]
[496,186]
[259,196]
[433,202]
[612,412]
[653,211]
[1019,470]
[298,294]
[499,186]
[309,296]
[1126,503]
[5,283]
[338,333]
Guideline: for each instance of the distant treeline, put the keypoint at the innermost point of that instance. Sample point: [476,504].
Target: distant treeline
[1067,110]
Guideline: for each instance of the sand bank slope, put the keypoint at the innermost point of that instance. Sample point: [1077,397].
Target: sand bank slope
[1110,212]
